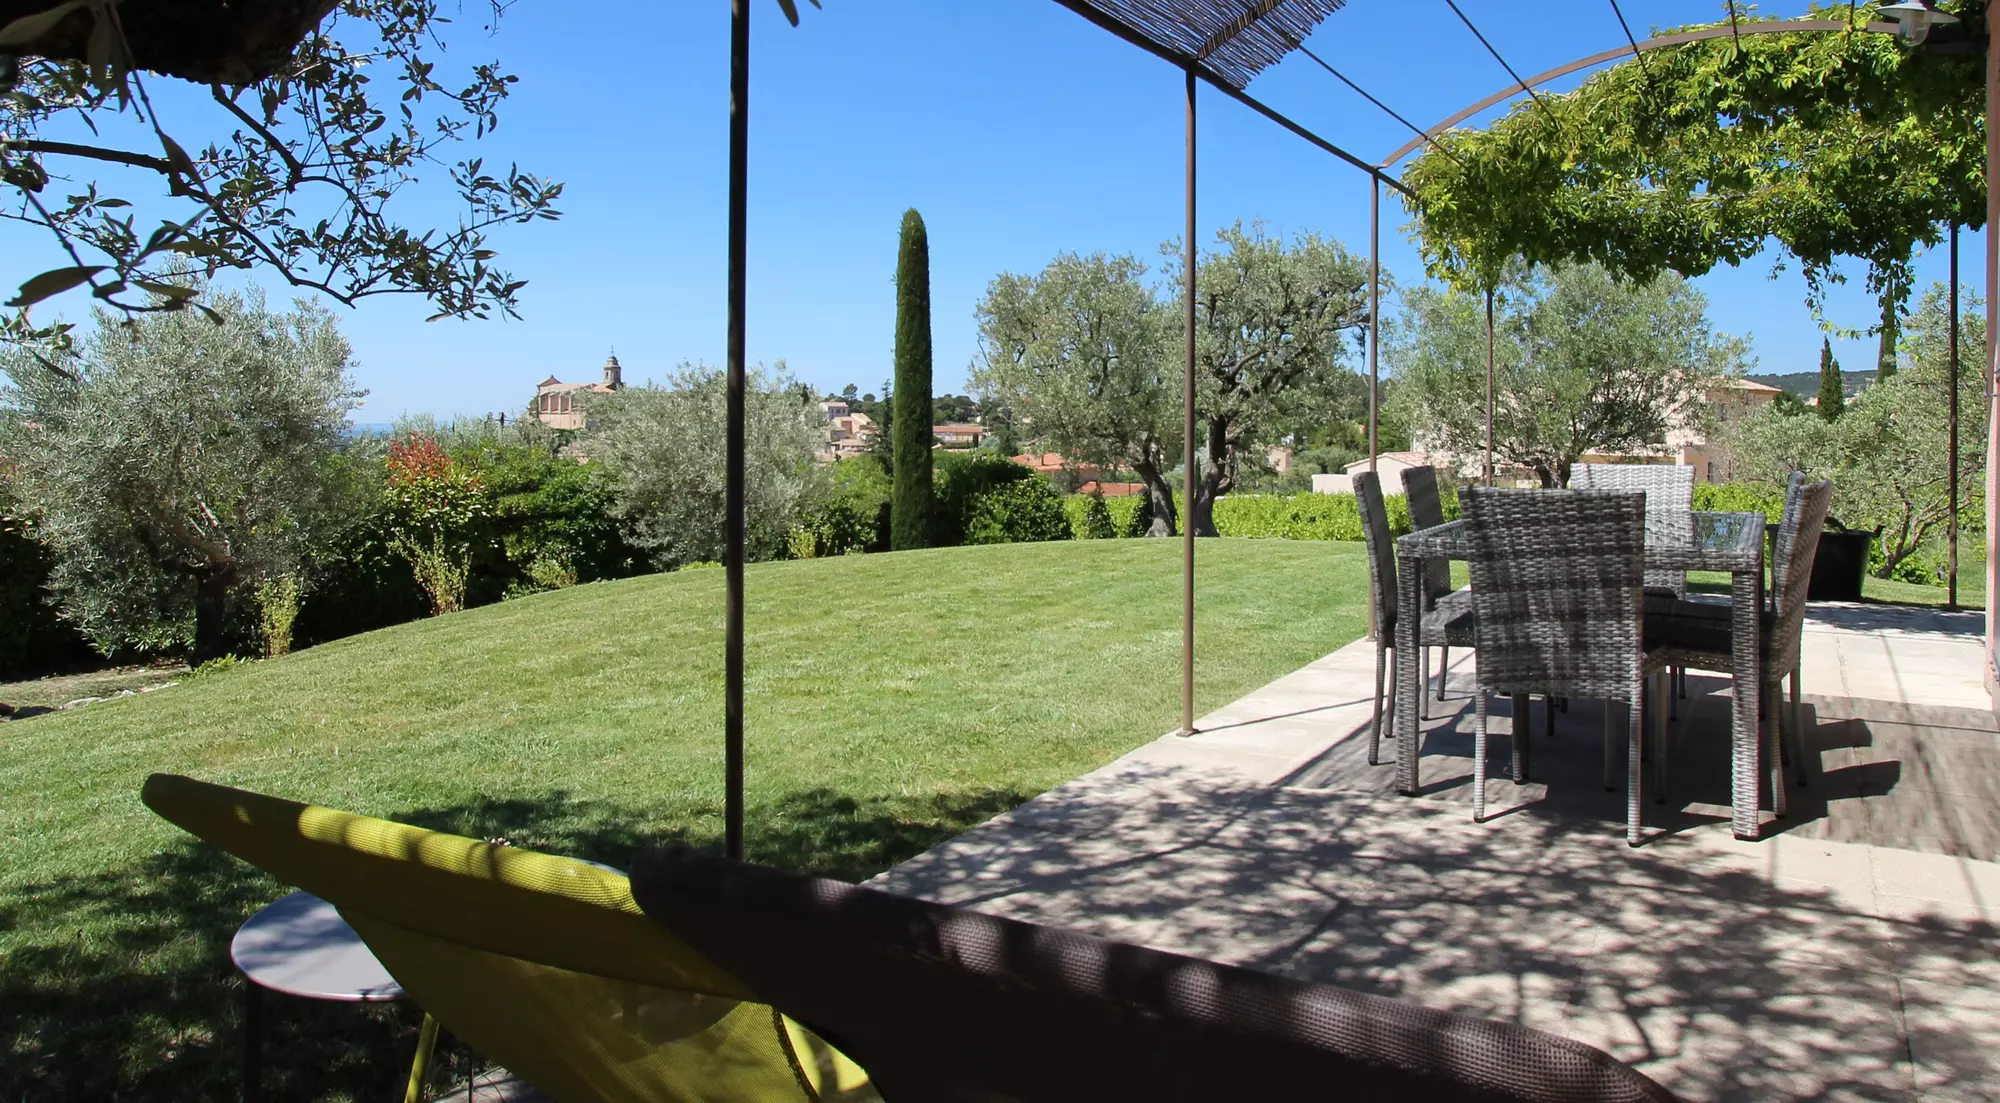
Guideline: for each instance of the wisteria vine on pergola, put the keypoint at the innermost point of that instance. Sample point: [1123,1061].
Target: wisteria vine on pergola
[1844,144]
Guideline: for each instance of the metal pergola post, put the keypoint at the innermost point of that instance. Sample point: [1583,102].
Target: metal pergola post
[733,524]
[1374,316]
[1189,255]
[1992,370]
[1951,381]
[1374,335]
[1489,386]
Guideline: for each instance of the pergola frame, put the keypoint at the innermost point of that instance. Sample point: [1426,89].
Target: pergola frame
[1269,18]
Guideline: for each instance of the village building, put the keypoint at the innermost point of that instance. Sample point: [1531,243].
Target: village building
[558,404]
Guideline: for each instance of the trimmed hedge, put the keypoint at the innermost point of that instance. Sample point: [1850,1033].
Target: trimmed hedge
[1022,512]
[1304,516]
[1089,517]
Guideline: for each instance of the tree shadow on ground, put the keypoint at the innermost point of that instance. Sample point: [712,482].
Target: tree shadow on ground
[120,985]
[1682,957]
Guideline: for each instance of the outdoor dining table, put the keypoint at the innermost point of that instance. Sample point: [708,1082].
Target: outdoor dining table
[1695,541]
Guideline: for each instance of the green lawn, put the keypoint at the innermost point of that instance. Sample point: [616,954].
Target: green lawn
[1971,588]
[894,700]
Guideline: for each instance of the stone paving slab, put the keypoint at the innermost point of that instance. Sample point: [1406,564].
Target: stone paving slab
[1853,953]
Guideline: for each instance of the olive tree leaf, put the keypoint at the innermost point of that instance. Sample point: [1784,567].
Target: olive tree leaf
[53,282]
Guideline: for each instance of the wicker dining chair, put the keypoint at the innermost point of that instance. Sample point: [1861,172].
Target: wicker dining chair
[1697,634]
[1558,597]
[1420,490]
[1669,490]
[1448,624]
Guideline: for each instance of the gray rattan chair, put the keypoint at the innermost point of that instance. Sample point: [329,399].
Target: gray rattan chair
[1559,596]
[1438,626]
[1420,490]
[1669,491]
[1697,634]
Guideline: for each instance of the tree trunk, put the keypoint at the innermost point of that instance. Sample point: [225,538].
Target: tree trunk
[1215,479]
[1159,497]
[211,612]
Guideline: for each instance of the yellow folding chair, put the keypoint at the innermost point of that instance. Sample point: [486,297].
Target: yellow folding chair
[544,964]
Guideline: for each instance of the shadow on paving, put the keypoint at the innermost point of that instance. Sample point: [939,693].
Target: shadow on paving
[120,984]
[1912,777]
[1678,957]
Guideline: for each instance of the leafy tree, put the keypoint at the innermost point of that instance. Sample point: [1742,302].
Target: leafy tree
[1272,326]
[663,447]
[1832,389]
[910,511]
[1080,354]
[1583,362]
[1889,455]
[298,159]
[954,409]
[1705,152]
[176,461]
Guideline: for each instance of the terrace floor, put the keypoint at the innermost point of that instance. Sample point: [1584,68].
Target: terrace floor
[1850,954]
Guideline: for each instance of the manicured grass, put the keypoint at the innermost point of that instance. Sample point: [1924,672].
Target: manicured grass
[894,700]
[1971,588]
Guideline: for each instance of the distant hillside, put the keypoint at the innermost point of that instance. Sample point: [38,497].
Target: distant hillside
[1805,384]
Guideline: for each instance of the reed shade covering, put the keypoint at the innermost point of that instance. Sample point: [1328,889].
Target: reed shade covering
[1234,39]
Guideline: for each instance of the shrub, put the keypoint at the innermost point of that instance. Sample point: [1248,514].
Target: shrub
[1742,498]
[845,512]
[277,610]
[1131,515]
[33,639]
[1020,512]
[436,506]
[547,510]
[1089,517]
[960,478]
[357,583]
[1310,516]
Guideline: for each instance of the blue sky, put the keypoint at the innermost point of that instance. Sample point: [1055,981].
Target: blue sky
[1018,129]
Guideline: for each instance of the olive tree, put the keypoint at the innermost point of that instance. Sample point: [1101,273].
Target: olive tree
[176,462]
[1889,454]
[1583,362]
[1081,355]
[664,447]
[1274,323]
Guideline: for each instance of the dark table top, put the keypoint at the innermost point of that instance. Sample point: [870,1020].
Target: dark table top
[1695,541]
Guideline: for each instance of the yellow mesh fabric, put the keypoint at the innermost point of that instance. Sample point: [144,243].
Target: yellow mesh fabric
[545,964]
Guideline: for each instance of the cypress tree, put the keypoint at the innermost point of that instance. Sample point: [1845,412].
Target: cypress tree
[1832,394]
[910,502]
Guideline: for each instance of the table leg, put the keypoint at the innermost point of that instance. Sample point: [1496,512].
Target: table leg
[1410,680]
[1746,734]
[253,1041]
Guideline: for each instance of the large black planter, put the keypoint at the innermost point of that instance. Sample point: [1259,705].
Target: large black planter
[1839,565]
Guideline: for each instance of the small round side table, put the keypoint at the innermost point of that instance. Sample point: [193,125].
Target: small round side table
[300,946]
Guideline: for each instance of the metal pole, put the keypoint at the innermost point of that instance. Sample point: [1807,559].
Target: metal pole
[1951,524]
[733,524]
[1188,465]
[1992,336]
[1374,333]
[1489,386]
[1374,316]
